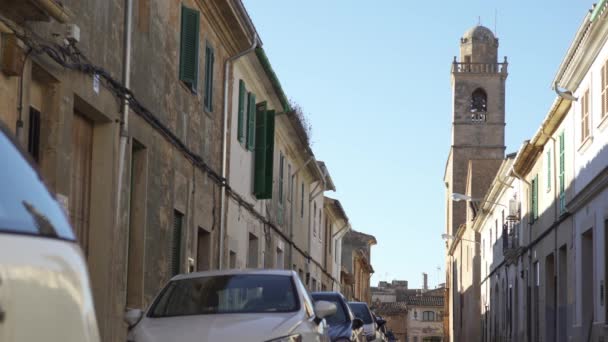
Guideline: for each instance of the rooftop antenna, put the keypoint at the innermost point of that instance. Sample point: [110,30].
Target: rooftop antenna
[479,20]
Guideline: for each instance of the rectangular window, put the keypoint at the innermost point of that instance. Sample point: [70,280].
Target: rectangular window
[188,58]
[534,200]
[209,61]
[203,250]
[33,144]
[232,262]
[280,259]
[281,176]
[176,243]
[549,170]
[281,196]
[251,116]
[604,89]
[302,201]
[264,152]
[241,113]
[585,118]
[562,174]
[252,259]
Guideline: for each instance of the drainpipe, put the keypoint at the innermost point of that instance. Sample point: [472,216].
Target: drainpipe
[124,120]
[227,64]
[292,176]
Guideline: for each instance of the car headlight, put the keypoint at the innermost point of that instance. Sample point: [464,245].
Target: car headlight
[290,338]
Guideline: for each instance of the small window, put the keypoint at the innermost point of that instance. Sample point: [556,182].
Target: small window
[314,221]
[252,260]
[604,89]
[549,170]
[188,59]
[302,201]
[241,111]
[176,243]
[585,119]
[33,143]
[428,316]
[479,101]
[209,62]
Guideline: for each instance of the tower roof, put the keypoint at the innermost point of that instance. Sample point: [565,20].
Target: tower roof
[479,33]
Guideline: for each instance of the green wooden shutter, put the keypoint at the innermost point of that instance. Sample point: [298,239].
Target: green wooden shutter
[188,59]
[535,198]
[562,174]
[259,182]
[251,114]
[209,61]
[549,170]
[270,115]
[176,243]
[241,114]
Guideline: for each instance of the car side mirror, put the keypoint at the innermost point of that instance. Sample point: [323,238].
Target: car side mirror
[357,323]
[324,309]
[381,322]
[132,316]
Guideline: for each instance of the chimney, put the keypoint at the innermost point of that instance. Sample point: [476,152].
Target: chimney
[425,282]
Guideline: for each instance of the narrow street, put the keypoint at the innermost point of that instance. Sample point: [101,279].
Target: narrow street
[245,170]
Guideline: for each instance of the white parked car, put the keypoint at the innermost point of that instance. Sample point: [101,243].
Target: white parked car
[233,305]
[44,284]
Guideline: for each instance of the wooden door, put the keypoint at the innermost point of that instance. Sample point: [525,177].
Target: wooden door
[79,203]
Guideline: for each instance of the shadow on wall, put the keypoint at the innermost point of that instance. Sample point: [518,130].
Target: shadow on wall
[548,300]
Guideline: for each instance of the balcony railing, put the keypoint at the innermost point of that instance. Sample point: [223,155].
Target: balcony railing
[479,68]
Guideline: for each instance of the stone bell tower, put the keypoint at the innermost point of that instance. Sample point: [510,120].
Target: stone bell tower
[478,118]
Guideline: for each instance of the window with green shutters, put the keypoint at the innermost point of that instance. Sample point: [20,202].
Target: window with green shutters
[188,56]
[209,61]
[281,178]
[549,170]
[251,116]
[242,109]
[562,174]
[264,152]
[176,243]
[534,200]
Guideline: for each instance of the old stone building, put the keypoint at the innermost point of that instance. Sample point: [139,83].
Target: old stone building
[356,266]
[477,147]
[169,142]
[396,316]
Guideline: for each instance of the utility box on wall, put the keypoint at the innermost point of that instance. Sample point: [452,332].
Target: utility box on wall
[12,55]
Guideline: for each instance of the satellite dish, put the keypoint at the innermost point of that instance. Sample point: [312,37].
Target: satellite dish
[565,94]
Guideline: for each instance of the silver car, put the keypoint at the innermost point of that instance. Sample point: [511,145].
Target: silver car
[234,305]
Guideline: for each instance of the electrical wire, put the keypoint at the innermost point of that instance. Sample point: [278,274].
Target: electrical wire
[70,57]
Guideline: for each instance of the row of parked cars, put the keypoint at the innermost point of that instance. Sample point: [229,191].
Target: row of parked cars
[252,305]
[45,293]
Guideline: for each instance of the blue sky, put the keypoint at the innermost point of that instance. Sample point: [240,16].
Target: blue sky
[374,79]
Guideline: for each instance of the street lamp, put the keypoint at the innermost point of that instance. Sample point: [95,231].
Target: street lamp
[456,197]
[448,237]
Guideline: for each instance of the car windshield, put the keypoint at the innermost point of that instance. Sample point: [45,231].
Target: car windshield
[361,311]
[227,294]
[26,206]
[340,316]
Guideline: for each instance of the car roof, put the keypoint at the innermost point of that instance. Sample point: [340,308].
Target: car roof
[326,293]
[234,272]
[364,303]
